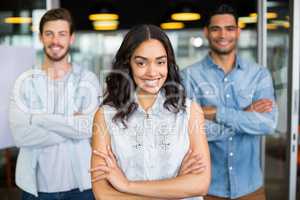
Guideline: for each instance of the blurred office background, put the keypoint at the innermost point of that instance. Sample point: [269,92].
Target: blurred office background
[266,37]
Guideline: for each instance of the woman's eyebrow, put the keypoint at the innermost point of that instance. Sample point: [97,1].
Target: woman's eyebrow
[140,57]
[160,57]
[144,58]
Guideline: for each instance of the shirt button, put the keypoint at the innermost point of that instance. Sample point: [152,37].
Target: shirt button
[231,154]
[230,139]
[227,95]
[230,168]
[225,79]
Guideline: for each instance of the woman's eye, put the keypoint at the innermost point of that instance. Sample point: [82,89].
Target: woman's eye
[162,62]
[140,63]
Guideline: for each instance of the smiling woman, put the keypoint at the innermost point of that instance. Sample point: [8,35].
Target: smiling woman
[149,66]
[145,62]
[148,139]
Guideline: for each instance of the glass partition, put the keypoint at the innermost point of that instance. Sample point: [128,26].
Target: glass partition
[276,162]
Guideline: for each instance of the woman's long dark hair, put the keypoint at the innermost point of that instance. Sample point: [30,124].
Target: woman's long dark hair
[120,83]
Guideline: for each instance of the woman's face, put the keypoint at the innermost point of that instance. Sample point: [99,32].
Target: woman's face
[149,66]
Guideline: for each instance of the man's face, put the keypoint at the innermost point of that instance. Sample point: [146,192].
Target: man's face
[222,34]
[56,39]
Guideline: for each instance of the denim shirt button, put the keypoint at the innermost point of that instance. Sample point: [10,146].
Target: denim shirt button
[230,168]
[230,139]
[231,154]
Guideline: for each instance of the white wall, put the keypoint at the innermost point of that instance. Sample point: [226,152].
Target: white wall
[14,61]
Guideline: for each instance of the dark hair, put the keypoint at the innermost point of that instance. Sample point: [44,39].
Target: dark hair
[222,9]
[57,14]
[120,88]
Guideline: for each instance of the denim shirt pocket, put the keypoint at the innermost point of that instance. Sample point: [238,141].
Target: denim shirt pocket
[244,98]
[207,94]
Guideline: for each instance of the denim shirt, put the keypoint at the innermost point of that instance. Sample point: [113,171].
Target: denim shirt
[35,127]
[234,137]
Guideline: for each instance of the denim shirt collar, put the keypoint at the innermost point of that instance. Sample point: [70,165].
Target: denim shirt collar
[210,63]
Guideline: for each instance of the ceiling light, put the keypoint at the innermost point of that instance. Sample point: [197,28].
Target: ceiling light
[18,20]
[185,16]
[283,23]
[242,24]
[104,17]
[270,15]
[253,15]
[287,25]
[272,26]
[248,20]
[172,25]
[105,25]
[105,28]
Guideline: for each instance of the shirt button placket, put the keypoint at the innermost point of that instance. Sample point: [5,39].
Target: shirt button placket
[226,91]
[230,164]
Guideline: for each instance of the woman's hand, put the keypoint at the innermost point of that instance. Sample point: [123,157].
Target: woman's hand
[110,171]
[192,164]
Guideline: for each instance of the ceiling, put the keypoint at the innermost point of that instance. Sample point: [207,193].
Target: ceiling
[133,12]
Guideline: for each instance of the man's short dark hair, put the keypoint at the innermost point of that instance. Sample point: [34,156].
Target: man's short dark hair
[222,9]
[57,14]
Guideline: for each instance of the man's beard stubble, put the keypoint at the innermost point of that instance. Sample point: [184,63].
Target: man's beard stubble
[58,58]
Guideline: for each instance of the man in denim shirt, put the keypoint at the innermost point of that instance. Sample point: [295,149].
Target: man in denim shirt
[237,98]
[51,117]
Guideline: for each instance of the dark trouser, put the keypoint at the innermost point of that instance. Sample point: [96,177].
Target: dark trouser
[257,195]
[68,195]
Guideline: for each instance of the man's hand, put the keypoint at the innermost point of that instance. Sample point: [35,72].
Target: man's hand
[261,106]
[191,164]
[209,112]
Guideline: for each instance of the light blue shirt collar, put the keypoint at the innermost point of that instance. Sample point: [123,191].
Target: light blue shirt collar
[210,63]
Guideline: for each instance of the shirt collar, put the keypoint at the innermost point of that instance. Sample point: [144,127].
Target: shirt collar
[210,63]
[157,105]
